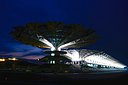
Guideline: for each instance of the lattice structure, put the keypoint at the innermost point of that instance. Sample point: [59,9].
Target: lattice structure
[94,57]
[58,37]
[54,35]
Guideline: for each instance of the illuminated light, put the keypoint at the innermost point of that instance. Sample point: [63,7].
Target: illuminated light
[52,54]
[45,41]
[53,62]
[12,59]
[53,48]
[97,58]
[2,59]
[102,61]
[50,62]
[73,54]
[58,36]
[91,65]
[65,45]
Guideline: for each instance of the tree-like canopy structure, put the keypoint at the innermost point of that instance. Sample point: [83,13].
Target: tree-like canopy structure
[54,35]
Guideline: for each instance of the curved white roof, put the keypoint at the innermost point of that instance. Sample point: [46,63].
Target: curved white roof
[95,57]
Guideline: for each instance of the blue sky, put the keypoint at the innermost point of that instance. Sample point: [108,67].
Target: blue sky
[108,17]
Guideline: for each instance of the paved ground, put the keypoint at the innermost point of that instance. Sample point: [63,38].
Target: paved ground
[12,78]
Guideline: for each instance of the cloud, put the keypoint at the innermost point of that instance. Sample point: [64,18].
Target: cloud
[33,57]
[16,54]
[24,52]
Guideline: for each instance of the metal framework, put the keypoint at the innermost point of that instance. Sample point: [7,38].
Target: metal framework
[94,57]
[54,35]
[58,36]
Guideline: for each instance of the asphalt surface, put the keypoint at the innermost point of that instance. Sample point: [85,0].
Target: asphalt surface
[17,78]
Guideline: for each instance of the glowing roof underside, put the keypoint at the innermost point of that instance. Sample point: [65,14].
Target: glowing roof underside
[54,35]
[94,57]
[58,36]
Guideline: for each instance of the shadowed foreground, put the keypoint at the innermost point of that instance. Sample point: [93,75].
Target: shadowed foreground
[17,78]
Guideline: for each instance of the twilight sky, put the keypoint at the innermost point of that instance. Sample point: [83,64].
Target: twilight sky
[108,17]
